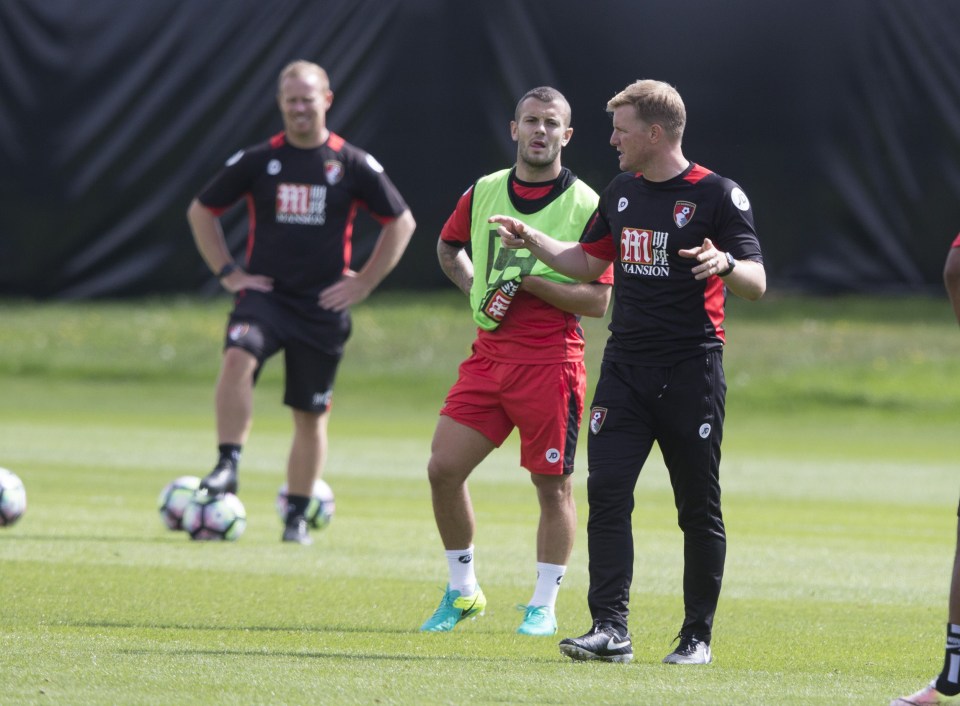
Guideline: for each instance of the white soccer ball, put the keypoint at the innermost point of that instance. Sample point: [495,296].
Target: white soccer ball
[214,517]
[174,498]
[319,511]
[13,497]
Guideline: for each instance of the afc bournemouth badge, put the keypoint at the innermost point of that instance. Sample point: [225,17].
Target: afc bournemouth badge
[333,171]
[597,415]
[238,331]
[683,212]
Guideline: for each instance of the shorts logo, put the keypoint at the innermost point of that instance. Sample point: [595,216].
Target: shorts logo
[597,416]
[333,170]
[704,431]
[322,399]
[683,212]
[238,331]
[552,455]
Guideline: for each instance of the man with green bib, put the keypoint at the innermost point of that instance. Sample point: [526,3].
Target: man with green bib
[526,370]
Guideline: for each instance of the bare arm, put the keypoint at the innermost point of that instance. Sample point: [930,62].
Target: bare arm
[583,299]
[566,258]
[951,279]
[354,287]
[456,265]
[208,236]
[748,279]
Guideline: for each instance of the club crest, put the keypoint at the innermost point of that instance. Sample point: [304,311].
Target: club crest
[238,331]
[683,212]
[597,416]
[333,171]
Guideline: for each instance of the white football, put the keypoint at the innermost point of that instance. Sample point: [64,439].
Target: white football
[13,497]
[214,517]
[174,498]
[319,511]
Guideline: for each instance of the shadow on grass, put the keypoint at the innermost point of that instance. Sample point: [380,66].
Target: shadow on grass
[124,625]
[364,656]
[178,538]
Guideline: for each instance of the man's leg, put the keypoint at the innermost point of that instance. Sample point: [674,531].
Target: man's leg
[233,402]
[555,534]
[456,450]
[944,688]
[234,396]
[308,453]
[948,681]
[691,424]
[558,518]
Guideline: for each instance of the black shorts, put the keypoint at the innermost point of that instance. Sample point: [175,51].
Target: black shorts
[312,340]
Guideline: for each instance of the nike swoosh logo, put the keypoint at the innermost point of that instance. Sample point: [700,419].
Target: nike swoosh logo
[614,645]
[465,611]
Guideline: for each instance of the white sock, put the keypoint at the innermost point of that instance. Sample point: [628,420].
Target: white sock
[460,565]
[549,577]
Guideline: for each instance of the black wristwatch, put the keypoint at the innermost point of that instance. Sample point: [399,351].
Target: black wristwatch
[226,270]
[731,262]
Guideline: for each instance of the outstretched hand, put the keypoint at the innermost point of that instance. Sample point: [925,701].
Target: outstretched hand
[711,261]
[512,232]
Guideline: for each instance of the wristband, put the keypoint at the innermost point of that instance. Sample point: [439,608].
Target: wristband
[226,270]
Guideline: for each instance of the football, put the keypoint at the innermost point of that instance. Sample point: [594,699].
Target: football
[321,507]
[174,498]
[13,497]
[214,517]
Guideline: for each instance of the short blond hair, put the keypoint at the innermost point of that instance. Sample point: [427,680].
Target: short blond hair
[300,68]
[655,102]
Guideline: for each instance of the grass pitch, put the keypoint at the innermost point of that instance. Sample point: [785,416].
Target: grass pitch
[840,492]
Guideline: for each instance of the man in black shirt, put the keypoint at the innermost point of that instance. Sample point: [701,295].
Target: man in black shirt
[680,237]
[302,188]
[944,689]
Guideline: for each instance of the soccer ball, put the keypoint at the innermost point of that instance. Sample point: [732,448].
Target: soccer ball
[174,498]
[13,497]
[321,507]
[214,517]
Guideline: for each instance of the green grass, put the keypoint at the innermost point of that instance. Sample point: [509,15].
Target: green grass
[840,492]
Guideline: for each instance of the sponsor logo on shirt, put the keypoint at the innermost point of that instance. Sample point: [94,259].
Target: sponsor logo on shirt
[644,252]
[740,199]
[302,204]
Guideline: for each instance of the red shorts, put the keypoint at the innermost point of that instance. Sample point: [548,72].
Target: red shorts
[545,402]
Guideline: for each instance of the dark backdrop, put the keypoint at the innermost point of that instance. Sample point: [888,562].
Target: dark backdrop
[840,118]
